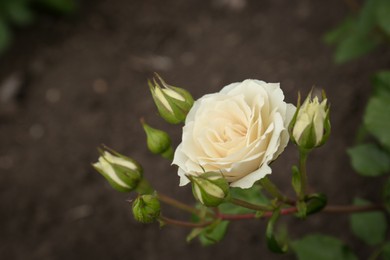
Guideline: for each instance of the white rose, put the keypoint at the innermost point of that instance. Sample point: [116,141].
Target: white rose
[238,131]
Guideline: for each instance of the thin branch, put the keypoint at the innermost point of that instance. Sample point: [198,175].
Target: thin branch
[248,205]
[288,211]
[175,203]
[180,223]
[352,208]
[267,214]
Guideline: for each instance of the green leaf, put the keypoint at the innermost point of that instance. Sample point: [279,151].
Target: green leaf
[321,247]
[369,160]
[377,118]
[337,34]
[386,194]
[368,226]
[193,234]
[386,251]
[381,82]
[382,15]
[367,16]
[355,45]
[5,36]
[356,36]
[214,233]
[273,244]
[253,195]
[315,203]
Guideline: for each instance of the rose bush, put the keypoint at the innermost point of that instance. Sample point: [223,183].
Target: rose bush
[238,131]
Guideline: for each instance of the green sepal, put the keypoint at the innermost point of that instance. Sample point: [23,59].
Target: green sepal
[327,127]
[294,119]
[308,139]
[146,208]
[315,203]
[273,244]
[162,110]
[129,176]
[209,180]
[178,108]
[104,147]
[112,183]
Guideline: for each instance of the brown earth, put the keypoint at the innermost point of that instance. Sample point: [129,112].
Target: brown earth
[83,83]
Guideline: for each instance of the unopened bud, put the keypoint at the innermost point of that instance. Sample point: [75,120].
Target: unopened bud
[146,208]
[158,141]
[121,172]
[210,188]
[173,103]
[310,126]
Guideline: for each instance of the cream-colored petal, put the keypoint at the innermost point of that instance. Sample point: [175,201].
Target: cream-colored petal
[183,179]
[250,179]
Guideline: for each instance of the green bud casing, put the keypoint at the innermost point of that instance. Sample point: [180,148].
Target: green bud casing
[158,141]
[310,126]
[121,172]
[146,208]
[210,188]
[173,103]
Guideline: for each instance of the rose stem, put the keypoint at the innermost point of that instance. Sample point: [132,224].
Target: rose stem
[177,204]
[274,191]
[249,205]
[266,214]
[302,169]
[352,208]
[181,223]
[287,211]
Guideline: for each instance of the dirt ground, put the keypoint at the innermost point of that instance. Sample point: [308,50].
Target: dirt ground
[76,83]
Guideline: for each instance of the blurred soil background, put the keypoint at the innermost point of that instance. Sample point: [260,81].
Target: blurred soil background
[69,84]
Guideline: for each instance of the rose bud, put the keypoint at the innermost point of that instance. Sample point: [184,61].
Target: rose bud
[173,103]
[311,125]
[121,172]
[158,141]
[209,188]
[146,208]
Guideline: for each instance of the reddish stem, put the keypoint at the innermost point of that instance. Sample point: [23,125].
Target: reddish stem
[181,223]
[352,208]
[292,210]
[267,214]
